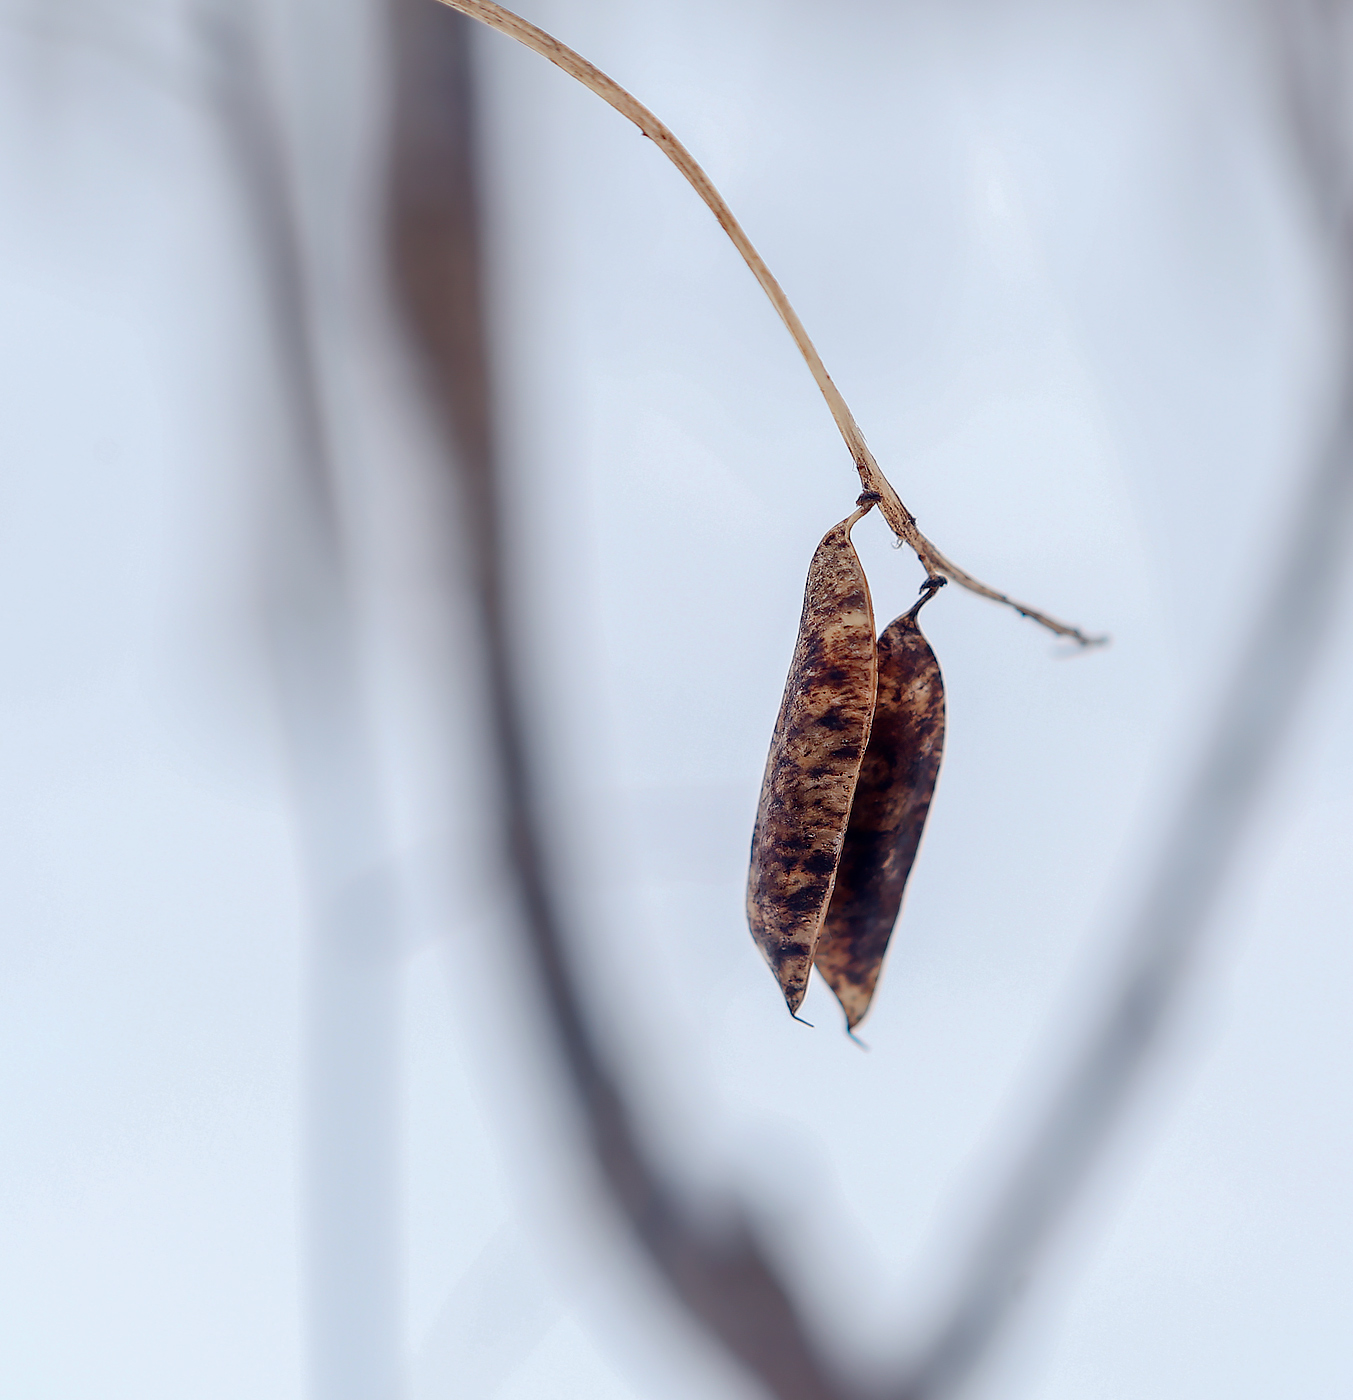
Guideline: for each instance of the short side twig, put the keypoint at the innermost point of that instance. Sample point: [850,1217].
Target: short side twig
[900,519]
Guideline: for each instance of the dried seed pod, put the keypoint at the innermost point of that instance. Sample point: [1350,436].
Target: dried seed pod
[815,755]
[892,799]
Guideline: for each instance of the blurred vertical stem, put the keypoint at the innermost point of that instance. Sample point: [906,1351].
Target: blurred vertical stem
[1199,843]
[719,1275]
[349,1221]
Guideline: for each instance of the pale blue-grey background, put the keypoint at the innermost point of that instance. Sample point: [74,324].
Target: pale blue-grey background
[1057,259]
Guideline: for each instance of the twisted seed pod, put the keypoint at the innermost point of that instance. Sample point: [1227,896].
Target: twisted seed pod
[815,755]
[892,799]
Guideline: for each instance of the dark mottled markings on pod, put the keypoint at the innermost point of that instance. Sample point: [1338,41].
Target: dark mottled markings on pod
[815,755]
[892,799]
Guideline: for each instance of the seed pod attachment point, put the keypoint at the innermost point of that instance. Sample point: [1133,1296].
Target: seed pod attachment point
[815,755]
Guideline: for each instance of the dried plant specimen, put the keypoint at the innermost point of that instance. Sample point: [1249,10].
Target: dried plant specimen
[888,815]
[806,797]
[815,756]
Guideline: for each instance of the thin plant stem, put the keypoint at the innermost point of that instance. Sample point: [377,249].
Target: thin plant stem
[900,519]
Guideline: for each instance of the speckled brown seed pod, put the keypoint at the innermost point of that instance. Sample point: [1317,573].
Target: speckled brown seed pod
[814,761]
[892,799]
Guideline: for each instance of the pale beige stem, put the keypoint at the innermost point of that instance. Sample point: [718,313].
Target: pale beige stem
[900,519]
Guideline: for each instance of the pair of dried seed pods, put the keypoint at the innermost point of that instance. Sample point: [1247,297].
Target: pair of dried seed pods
[851,772]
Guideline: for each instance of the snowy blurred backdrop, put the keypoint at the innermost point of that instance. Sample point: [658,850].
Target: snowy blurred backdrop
[281,1114]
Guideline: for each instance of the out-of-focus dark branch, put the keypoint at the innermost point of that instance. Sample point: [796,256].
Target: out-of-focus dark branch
[1253,721]
[724,1280]
[720,1274]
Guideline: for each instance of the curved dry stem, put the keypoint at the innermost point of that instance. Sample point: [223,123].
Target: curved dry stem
[900,519]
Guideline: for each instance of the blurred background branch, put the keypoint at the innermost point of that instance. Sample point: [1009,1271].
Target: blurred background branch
[1163,944]
[727,1284]
[719,1273]
[352,950]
